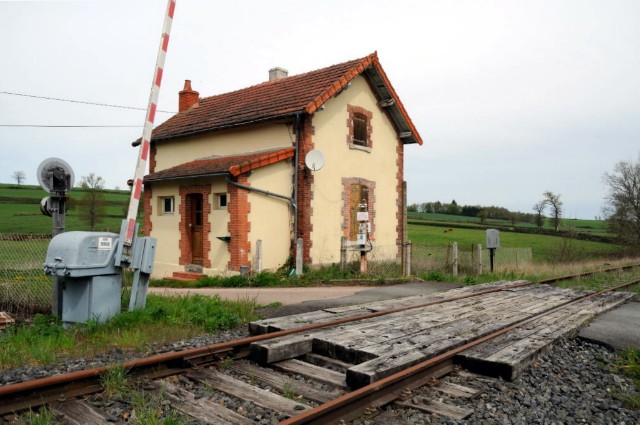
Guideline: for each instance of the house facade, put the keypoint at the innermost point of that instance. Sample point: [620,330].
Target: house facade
[229,188]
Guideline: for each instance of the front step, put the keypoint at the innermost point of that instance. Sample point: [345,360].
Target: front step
[186,276]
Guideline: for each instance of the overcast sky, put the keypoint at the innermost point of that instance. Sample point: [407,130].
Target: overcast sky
[512,98]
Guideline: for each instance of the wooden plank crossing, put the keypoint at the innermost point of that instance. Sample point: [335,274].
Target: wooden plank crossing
[329,314]
[381,346]
[508,355]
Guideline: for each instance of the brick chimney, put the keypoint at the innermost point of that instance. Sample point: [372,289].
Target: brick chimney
[278,73]
[188,97]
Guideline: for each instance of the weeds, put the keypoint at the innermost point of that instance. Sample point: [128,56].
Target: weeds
[41,417]
[114,381]
[289,391]
[164,319]
[629,365]
[148,410]
[225,364]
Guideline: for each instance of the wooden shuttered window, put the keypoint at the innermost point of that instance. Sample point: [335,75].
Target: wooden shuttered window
[359,129]
[357,194]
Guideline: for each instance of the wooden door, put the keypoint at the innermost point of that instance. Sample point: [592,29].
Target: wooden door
[196,221]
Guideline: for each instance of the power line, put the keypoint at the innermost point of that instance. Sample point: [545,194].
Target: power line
[80,101]
[70,126]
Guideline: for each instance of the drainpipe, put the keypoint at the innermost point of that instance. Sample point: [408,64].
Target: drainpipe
[295,177]
[264,192]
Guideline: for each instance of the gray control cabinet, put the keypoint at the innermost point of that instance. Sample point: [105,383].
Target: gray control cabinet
[91,282]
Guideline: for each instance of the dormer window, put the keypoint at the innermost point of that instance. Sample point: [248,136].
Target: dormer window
[359,125]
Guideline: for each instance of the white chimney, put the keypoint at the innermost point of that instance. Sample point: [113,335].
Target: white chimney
[277,73]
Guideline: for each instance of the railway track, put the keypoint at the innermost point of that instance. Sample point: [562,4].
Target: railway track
[203,383]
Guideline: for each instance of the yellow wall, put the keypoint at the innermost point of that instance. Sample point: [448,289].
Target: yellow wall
[271,217]
[222,143]
[379,166]
[166,228]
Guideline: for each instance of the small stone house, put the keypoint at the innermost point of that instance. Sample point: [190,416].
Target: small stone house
[228,173]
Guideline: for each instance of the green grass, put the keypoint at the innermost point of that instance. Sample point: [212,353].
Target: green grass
[545,248]
[164,319]
[20,210]
[596,227]
[629,365]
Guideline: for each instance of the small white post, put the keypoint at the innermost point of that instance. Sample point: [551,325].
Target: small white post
[259,255]
[455,259]
[407,261]
[479,259]
[343,253]
[299,248]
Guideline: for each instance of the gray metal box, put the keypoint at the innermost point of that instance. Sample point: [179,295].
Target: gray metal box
[85,265]
[493,238]
[78,254]
[91,298]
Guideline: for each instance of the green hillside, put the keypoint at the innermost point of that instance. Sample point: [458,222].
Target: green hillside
[590,227]
[20,210]
[545,247]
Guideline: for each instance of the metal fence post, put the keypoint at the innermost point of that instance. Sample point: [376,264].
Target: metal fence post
[455,259]
[479,259]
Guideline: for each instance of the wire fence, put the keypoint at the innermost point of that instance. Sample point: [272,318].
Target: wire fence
[467,260]
[26,290]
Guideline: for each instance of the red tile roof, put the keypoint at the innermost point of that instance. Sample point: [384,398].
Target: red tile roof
[234,165]
[303,93]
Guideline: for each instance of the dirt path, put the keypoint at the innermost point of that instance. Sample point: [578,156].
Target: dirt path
[265,296]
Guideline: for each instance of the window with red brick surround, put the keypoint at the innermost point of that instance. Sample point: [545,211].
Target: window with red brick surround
[185,216]
[359,125]
[356,186]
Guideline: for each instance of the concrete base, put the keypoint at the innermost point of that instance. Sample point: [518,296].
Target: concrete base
[619,328]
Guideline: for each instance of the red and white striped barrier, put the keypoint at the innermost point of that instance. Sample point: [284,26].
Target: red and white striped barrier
[143,154]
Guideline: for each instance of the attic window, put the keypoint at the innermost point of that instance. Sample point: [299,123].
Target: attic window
[359,129]
[359,126]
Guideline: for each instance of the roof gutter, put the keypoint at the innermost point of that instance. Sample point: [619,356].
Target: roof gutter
[196,176]
[222,127]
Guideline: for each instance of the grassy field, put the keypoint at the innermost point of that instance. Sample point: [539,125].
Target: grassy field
[545,248]
[20,210]
[596,227]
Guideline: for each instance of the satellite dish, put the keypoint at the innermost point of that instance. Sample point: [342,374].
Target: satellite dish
[314,160]
[55,175]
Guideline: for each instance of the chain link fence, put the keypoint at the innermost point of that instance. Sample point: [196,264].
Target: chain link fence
[24,288]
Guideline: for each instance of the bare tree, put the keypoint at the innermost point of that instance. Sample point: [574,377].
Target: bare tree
[555,203]
[19,177]
[623,208]
[92,203]
[539,209]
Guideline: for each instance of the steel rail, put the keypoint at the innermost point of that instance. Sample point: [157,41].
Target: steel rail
[350,405]
[20,392]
